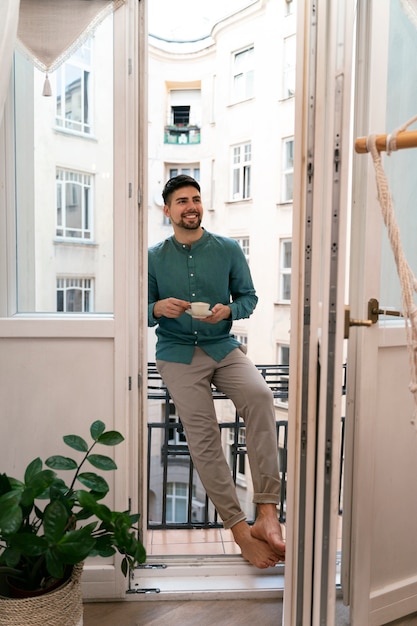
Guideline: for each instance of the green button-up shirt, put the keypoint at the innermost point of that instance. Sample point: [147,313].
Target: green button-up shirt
[214,269]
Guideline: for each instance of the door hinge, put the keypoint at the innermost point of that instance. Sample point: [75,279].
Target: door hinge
[130,383]
[144,590]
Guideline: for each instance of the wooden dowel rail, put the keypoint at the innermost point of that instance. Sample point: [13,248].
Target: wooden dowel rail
[407,139]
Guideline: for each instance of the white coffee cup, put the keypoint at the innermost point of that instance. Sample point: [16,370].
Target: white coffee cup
[200,308]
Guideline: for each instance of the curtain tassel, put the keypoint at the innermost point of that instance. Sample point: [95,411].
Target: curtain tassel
[47,91]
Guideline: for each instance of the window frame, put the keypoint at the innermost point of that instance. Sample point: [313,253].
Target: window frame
[82,287]
[86,183]
[241,171]
[288,70]
[84,126]
[243,77]
[279,402]
[244,243]
[284,270]
[287,171]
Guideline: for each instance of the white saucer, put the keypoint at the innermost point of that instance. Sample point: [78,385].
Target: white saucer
[198,317]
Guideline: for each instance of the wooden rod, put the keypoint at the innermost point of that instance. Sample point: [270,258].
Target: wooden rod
[407,139]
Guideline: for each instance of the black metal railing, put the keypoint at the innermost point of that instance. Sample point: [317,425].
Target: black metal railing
[168,452]
[173,450]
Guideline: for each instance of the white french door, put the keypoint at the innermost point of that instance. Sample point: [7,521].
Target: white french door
[342,248]
[380,510]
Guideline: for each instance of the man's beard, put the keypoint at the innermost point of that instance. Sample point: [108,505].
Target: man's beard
[189,225]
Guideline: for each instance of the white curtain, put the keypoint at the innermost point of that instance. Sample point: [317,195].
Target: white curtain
[9,17]
[48,32]
[51,30]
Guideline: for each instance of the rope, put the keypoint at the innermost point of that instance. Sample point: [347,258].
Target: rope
[407,278]
[62,607]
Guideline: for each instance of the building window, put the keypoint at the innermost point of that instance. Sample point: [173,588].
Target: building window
[180,115]
[74,295]
[287,170]
[237,452]
[73,204]
[177,502]
[289,67]
[176,435]
[241,338]
[184,120]
[241,171]
[190,170]
[73,97]
[244,244]
[243,75]
[283,358]
[285,270]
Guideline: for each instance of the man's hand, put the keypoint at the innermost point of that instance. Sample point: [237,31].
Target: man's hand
[170,307]
[219,312]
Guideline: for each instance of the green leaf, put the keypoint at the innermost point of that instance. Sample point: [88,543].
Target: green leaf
[76,545]
[75,442]
[61,462]
[54,564]
[30,544]
[5,484]
[55,520]
[96,429]
[124,566]
[11,515]
[104,546]
[102,462]
[86,499]
[110,438]
[10,557]
[93,481]
[33,468]
[36,485]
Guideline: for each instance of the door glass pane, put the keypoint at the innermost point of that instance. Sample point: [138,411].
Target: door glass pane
[64,182]
[401,166]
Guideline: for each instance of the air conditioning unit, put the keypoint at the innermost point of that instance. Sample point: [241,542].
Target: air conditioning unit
[197,511]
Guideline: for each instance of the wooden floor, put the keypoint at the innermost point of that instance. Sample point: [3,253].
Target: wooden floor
[184,613]
[264,612]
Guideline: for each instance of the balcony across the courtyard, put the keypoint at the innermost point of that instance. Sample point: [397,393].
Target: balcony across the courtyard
[181,134]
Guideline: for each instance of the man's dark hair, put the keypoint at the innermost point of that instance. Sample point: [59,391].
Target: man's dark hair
[182,180]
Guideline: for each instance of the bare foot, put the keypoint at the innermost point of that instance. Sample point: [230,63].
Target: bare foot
[254,550]
[267,528]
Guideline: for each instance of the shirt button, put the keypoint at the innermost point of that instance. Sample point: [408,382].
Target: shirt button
[193,295]
[191,256]
[195,332]
[191,274]
[195,343]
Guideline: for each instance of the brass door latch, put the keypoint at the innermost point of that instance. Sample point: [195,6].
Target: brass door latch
[373,315]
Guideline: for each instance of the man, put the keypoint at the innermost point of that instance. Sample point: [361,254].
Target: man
[195,265]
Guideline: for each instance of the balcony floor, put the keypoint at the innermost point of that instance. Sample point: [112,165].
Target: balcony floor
[198,541]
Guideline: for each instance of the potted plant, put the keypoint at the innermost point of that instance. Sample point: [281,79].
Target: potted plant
[48,527]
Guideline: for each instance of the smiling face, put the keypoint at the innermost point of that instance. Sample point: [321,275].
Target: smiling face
[185,209]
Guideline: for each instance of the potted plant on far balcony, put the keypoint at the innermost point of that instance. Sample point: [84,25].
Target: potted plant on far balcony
[48,527]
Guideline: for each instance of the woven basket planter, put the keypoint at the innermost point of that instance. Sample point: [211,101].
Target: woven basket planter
[62,607]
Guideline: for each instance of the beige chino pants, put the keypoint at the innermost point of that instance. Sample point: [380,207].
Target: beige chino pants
[237,377]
